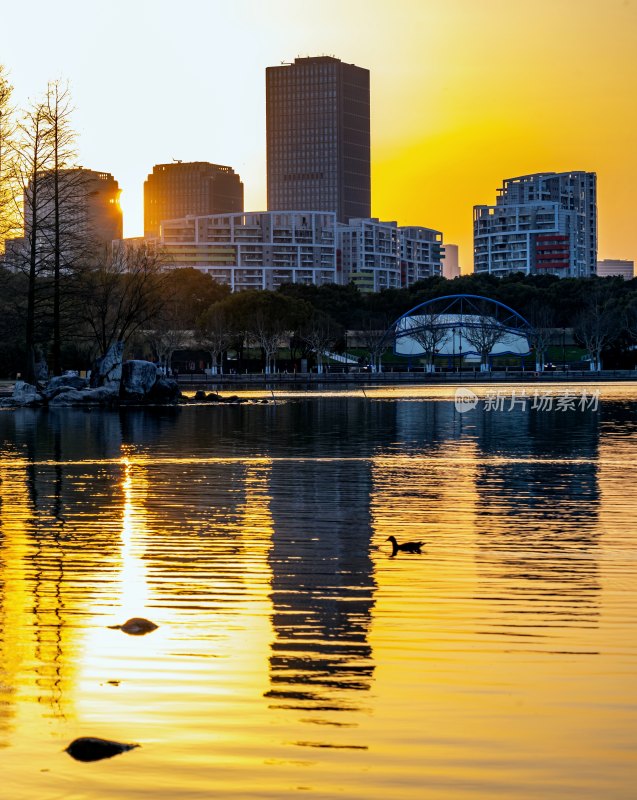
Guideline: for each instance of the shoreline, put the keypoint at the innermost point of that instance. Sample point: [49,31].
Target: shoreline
[312,381]
[307,381]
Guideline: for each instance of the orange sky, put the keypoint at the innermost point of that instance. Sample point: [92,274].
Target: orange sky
[464,94]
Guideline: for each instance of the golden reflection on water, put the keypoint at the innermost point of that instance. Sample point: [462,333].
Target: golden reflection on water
[293,654]
[134,596]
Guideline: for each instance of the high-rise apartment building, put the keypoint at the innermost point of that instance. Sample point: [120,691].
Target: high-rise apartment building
[181,189]
[318,141]
[421,254]
[541,223]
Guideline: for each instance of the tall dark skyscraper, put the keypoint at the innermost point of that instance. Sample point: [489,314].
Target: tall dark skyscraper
[194,188]
[318,137]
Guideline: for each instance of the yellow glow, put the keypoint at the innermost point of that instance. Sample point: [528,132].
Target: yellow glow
[464,94]
[134,583]
[229,653]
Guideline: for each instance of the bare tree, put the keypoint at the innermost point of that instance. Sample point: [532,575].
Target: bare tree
[66,190]
[9,219]
[122,293]
[215,334]
[376,341]
[32,154]
[167,335]
[429,332]
[320,332]
[542,319]
[597,325]
[269,333]
[483,333]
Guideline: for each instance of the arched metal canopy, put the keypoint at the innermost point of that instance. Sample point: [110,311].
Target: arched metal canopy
[458,317]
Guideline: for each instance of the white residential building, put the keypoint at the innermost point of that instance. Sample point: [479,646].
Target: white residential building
[541,223]
[256,250]
[263,250]
[421,254]
[370,254]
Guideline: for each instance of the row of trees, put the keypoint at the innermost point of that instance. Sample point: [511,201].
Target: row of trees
[129,296]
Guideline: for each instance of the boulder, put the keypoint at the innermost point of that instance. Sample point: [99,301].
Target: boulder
[63,383]
[107,370]
[102,396]
[25,394]
[164,391]
[138,378]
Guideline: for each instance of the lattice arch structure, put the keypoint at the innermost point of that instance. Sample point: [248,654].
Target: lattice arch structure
[460,325]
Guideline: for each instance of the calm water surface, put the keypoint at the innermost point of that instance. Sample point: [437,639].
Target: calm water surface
[294,656]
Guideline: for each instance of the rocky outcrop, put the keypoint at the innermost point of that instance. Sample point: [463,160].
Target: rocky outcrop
[200,396]
[25,394]
[107,370]
[102,396]
[138,378]
[61,384]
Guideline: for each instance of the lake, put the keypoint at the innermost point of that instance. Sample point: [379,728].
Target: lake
[294,656]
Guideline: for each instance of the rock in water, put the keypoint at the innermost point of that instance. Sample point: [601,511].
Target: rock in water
[107,370]
[89,748]
[63,383]
[138,378]
[25,394]
[135,626]
[165,390]
[102,396]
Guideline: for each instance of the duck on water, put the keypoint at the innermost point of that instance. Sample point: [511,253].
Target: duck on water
[405,547]
[136,626]
[90,748]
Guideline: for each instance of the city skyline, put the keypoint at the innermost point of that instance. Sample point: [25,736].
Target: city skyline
[462,97]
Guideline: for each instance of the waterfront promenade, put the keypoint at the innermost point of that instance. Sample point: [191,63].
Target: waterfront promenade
[304,380]
[309,379]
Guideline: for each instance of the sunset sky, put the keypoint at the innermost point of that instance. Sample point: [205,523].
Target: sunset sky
[464,93]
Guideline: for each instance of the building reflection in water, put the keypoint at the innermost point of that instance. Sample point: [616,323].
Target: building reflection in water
[322,573]
[537,515]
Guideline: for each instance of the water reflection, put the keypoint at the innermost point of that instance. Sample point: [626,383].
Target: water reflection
[322,586]
[537,521]
[255,537]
